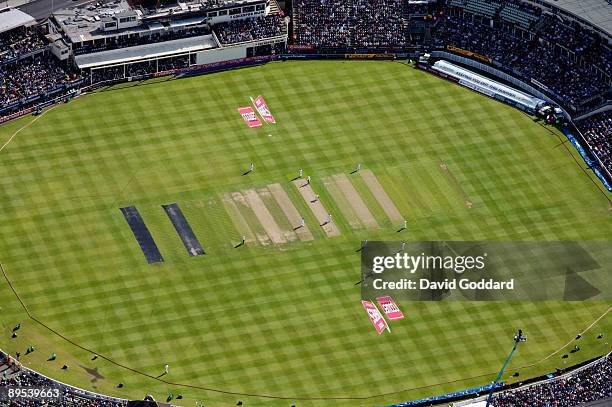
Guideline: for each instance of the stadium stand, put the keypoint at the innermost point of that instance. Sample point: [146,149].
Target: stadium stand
[322,23]
[28,72]
[16,43]
[482,7]
[583,386]
[108,74]
[30,79]
[376,24]
[132,41]
[114,73]
[529,57]
[117,40]
[465,34]
[568,61]
[250,29]
[597,130]
[586,44]
[561,56]
[522,14]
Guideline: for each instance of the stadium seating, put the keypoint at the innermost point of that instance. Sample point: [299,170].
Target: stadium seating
[523,40]
[519,14]
[115,73]
[357,23]
[323,23]
[18,42]
[597,130]
[590,384]
[30,78]
[542,61]
[482,7]
[250,29]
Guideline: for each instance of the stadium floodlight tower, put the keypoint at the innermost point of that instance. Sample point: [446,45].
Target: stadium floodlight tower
[518,338]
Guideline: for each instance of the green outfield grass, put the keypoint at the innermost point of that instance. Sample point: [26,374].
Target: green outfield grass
[279,320]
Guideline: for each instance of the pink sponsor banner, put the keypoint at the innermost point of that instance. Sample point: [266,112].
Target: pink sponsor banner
[375,316]
[390,308]
[249,116]
[262,108]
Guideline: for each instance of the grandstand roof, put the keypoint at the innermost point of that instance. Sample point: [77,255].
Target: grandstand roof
[82,22]
[12,18]
[596,12]
[156,50]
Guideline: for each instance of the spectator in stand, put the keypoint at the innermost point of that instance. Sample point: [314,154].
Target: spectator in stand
[250,29]
[18,42]
[597,130]
[29,78]
[535,58]
[590,384]
[350,23]
[107,74]
[379,24]
[139,68]
[482,39]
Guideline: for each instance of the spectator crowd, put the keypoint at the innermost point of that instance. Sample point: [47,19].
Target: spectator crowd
[537,49]
[119,72]
[539,57]
[19,41]
[24,74]
[590,384]
[348,24]
[29,78]
[250,29]
[480,38]
[597,130]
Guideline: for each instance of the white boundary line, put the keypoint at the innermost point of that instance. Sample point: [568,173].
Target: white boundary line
[25,126]
[76,390]
[581,333]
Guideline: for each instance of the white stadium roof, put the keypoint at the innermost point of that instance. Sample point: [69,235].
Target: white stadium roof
[155,50]
[596,12]
[12,18]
